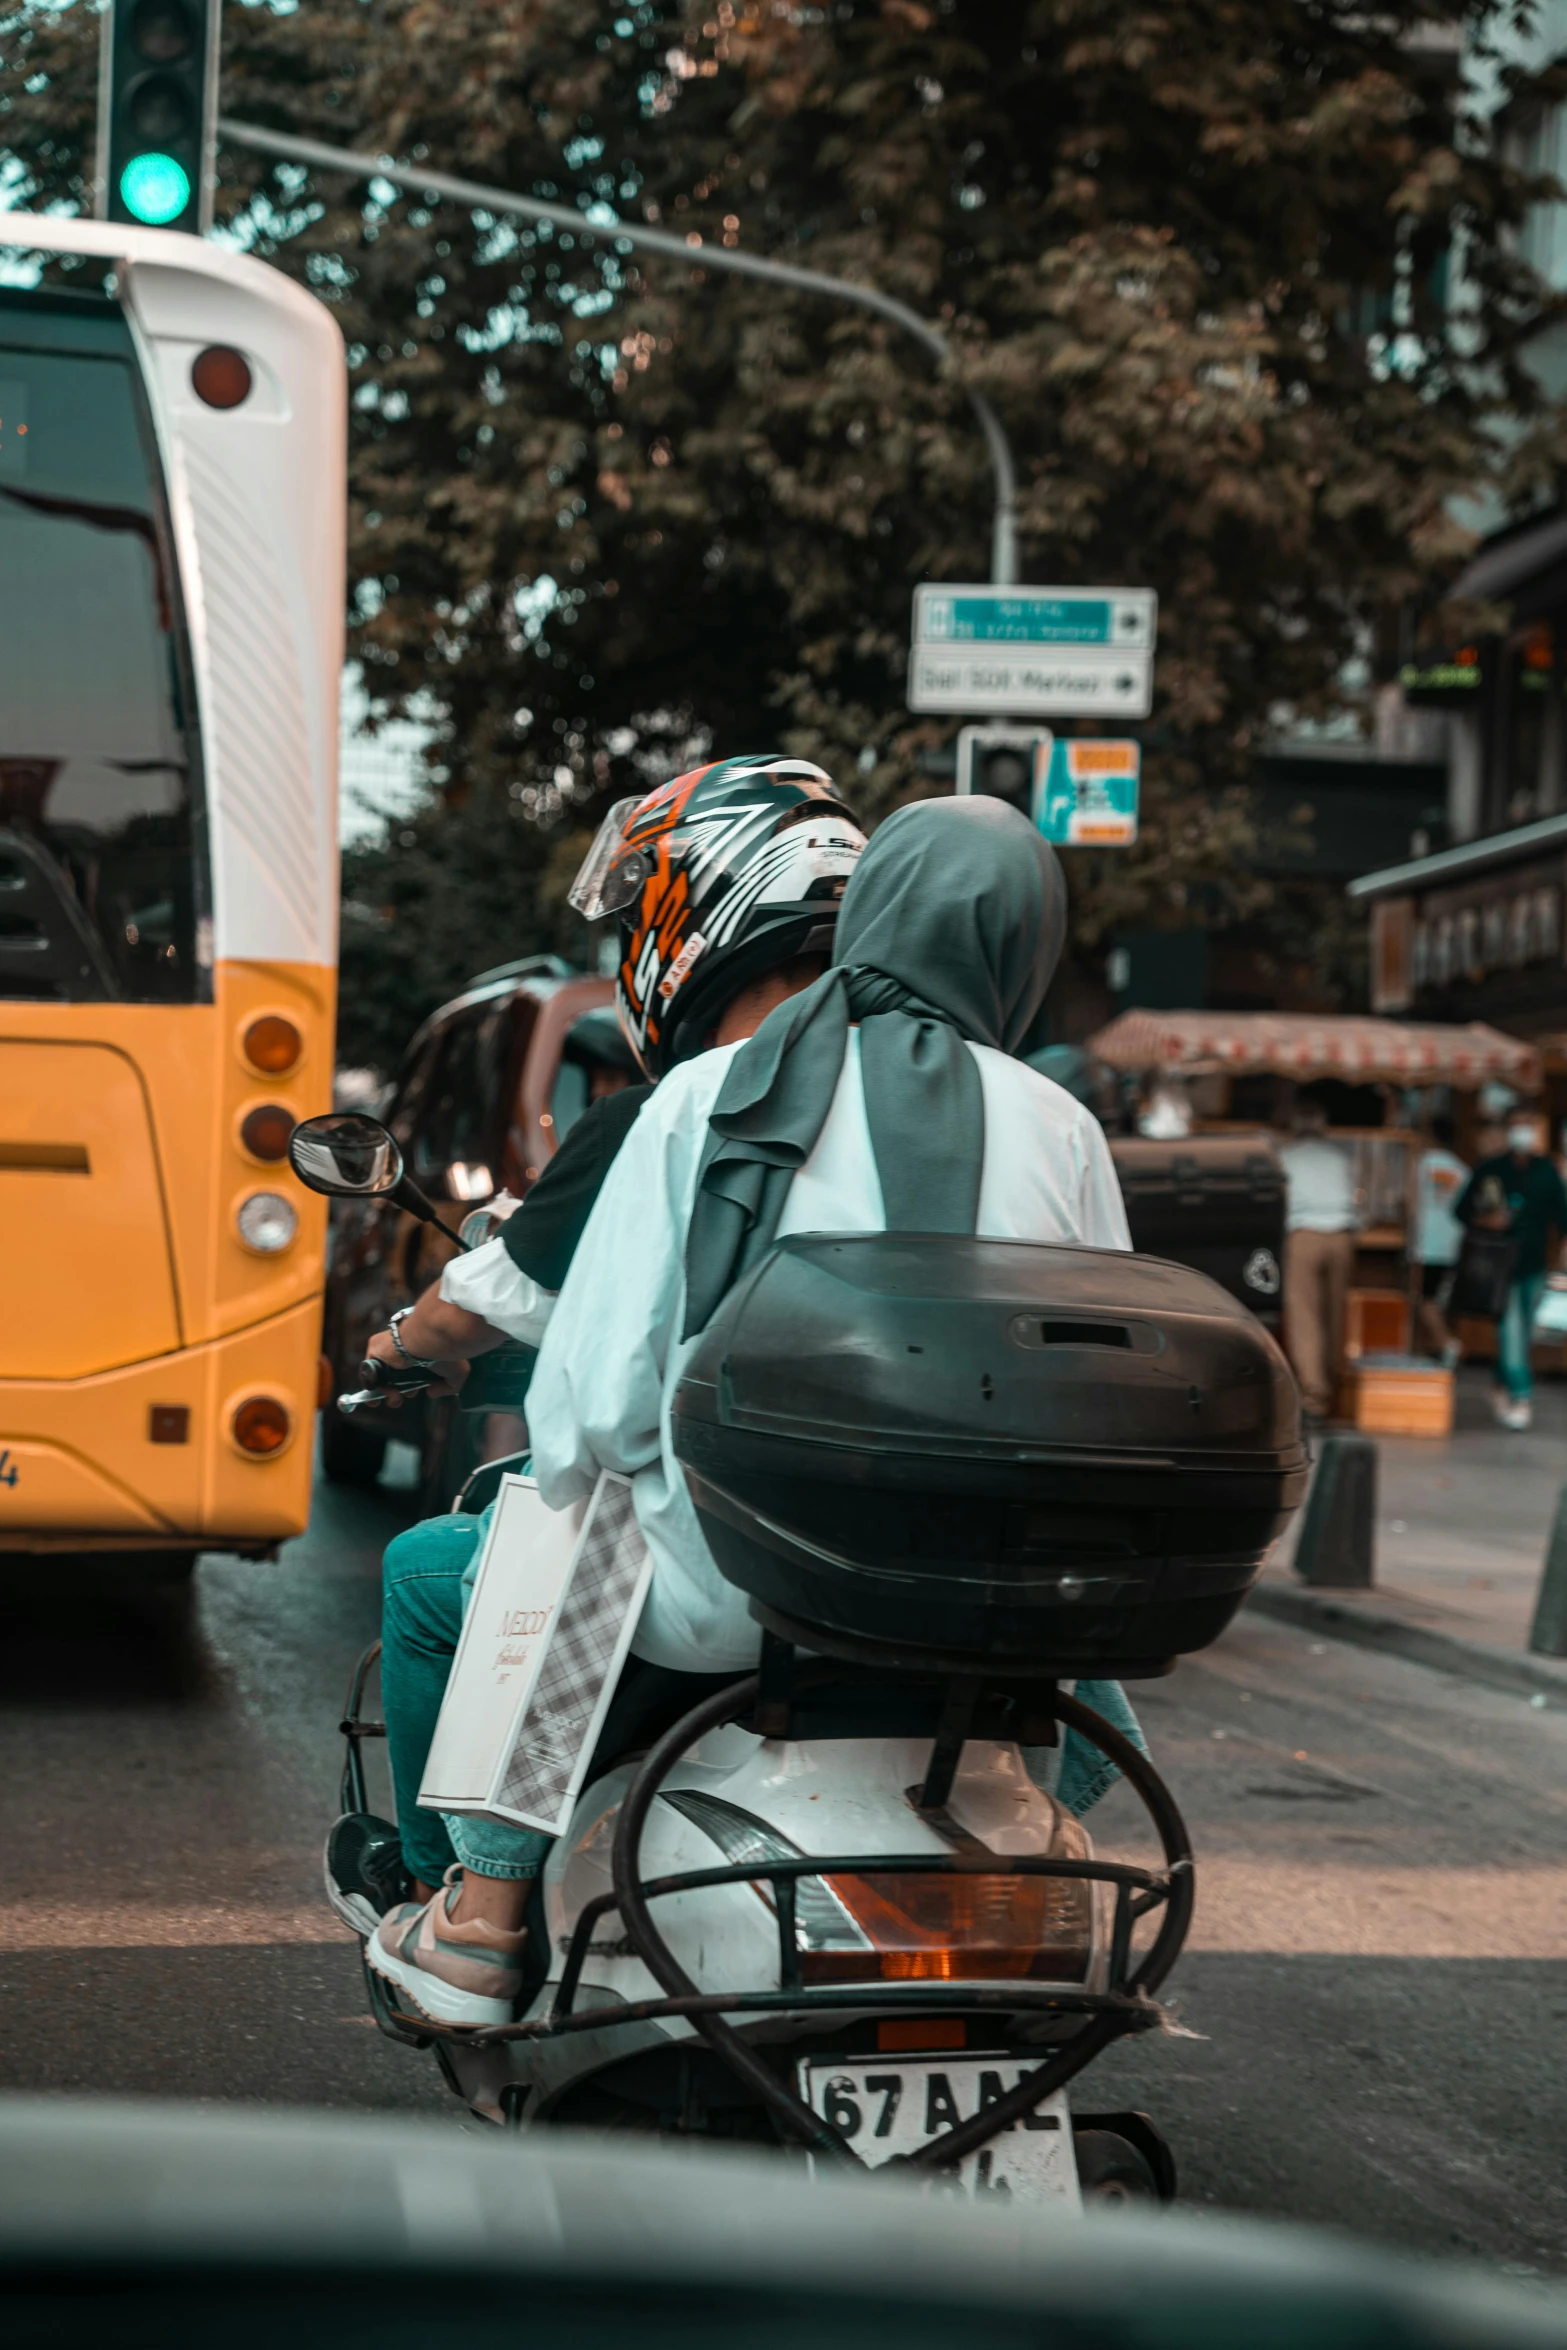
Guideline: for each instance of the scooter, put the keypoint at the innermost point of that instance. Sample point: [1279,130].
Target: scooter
[828,1912]
[834,1906]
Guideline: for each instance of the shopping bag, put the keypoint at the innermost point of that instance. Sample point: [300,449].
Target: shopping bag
[1483,1275]
[555,1602]
[1550,1315]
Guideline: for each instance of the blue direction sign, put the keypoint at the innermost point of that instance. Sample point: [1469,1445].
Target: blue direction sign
[1121,617]
[1089,799]
[1033,652]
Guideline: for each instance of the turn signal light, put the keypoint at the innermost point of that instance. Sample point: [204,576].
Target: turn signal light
[273,1044]
[959,1930]
[261,1426]
[266,1131]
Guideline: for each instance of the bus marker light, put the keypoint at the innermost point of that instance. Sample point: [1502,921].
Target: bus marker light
[261,1426]
[267,1222]
[266,1131]
[221,376]
[273,1044]
[168,1423]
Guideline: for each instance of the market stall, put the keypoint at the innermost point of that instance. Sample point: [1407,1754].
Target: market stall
[1360,1049]
[1220,1055]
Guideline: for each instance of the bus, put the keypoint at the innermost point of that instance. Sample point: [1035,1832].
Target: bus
[172,511]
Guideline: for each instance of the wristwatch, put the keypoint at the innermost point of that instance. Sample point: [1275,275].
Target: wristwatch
[422,1362]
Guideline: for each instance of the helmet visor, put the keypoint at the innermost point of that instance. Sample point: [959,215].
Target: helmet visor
[610,874]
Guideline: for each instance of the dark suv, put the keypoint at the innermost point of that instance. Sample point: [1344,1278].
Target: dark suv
[482,1100]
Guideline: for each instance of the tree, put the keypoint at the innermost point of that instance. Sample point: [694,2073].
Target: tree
[607,512]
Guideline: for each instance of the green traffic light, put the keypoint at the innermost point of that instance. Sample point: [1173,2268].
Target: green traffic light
[155,188]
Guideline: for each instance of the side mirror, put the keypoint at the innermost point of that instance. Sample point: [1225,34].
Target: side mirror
[346,1155]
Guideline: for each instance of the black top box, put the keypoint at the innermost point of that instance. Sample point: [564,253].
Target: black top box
[954,1453]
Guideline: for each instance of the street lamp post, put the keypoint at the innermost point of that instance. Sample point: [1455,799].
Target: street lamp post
[1003,535]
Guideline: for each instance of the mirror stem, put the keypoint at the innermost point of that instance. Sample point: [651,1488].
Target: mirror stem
[408,1195]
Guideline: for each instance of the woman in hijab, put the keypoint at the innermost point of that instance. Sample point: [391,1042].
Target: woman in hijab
[885,1097]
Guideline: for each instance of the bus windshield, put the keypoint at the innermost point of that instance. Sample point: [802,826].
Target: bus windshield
[99,870]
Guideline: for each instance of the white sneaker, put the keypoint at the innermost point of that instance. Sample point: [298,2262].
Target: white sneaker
[1517,1413]
[455,1974]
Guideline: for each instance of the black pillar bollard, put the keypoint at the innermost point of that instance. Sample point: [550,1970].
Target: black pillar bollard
[1548,1632]
[1338,1534]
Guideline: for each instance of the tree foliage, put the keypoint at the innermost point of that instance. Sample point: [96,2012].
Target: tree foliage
[1202,255]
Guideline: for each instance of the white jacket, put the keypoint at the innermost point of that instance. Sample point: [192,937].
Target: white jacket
[612,1358]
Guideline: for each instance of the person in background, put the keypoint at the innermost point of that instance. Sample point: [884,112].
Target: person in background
[1166,1111]
[1319,1253]
[1439,1181]
[1518,1191]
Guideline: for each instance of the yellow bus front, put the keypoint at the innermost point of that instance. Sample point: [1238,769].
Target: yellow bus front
[171,594]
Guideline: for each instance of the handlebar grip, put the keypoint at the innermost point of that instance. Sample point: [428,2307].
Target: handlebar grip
[409,1379]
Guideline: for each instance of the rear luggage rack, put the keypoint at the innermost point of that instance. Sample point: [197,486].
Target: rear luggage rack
[767,1702]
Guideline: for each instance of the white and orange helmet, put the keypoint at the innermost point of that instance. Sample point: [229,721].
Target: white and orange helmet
[716,877]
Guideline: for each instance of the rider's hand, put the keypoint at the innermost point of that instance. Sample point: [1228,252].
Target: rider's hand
[445,1378]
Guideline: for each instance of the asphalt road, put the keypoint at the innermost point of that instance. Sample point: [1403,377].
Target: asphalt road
[1375,1984]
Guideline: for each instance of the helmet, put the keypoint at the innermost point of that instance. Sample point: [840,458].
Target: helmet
[716,878]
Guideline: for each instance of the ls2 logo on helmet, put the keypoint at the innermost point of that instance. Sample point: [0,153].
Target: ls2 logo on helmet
[1262,1272]
[681,965]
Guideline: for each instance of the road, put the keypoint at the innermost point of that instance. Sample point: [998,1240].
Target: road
[1375,1983]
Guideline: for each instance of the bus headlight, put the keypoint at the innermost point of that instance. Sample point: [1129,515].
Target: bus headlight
[267,1222]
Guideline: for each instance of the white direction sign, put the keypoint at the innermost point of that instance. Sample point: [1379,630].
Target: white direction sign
[1033,652]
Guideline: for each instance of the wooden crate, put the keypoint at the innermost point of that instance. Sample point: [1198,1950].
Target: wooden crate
[1376,1321]
[1397,1395]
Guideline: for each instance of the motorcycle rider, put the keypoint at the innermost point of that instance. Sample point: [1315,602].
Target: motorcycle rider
[730,878]
[882,1097]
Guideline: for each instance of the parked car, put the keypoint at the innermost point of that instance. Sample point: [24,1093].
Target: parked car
[485,1094]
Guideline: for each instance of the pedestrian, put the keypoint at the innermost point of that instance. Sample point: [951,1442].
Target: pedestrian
[1319,1253]
[1519,1192]
[1438,1236]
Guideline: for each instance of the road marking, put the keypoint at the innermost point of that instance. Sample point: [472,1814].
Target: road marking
[128,1925]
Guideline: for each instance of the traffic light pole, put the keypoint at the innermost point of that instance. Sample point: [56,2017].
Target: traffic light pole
[417,178]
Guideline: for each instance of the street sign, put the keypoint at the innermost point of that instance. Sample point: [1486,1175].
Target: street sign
[1089,799]
[1027,652]
[1100,617]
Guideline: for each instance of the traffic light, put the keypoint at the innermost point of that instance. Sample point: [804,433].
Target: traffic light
[157,105]
[1008,762]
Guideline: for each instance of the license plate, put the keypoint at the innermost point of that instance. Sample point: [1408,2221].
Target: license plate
[891,2105]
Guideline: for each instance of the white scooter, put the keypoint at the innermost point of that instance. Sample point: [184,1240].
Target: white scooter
[831,1906]
[892,1947]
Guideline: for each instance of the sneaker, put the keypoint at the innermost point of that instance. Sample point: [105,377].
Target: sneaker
[454,1974]
[1517,1413]
[365,1873]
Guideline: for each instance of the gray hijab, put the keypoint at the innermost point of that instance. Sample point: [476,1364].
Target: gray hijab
[951,928]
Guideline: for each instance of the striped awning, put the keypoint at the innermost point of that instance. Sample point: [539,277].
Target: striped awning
[1299,1044]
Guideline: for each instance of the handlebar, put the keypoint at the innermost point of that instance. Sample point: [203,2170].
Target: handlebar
[382,1379]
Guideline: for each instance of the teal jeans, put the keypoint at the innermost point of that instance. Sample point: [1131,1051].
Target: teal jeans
[1516,1335]
[426,1577]
[424,1591]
